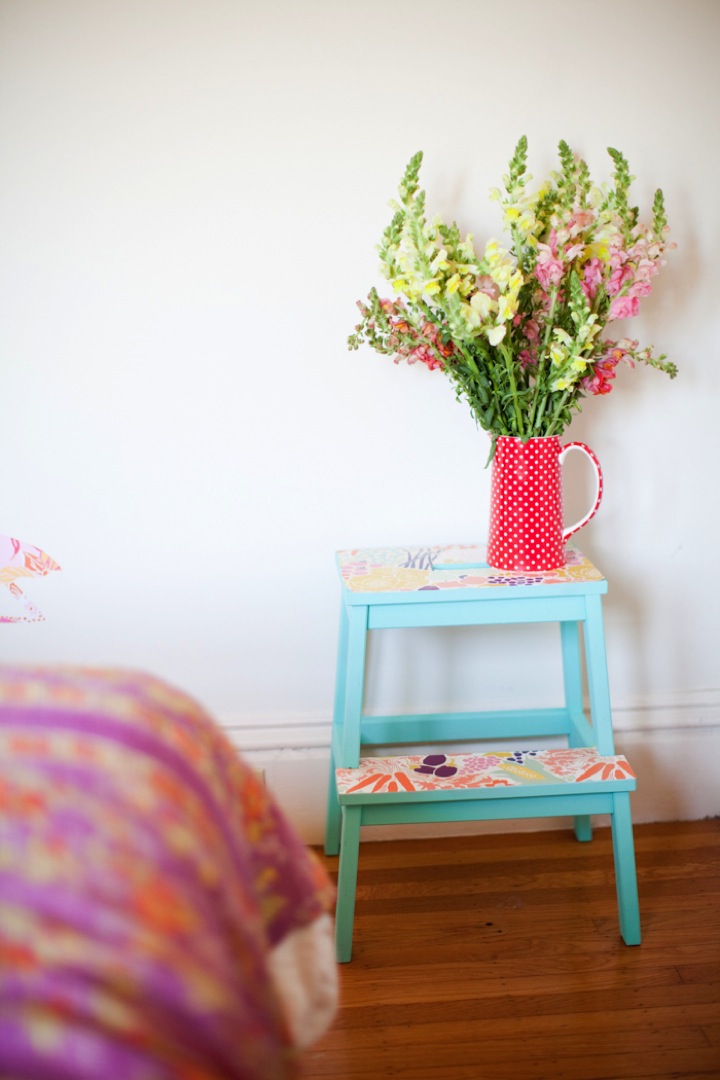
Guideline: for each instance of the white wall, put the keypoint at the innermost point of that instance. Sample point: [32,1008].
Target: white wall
[190,195]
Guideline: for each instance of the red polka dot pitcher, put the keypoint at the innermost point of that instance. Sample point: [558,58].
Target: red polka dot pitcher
[526,509]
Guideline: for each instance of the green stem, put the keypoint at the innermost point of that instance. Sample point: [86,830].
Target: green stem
[541,363]
[556,415]
[469,359]
[474,370]
[507,356]
[541,412]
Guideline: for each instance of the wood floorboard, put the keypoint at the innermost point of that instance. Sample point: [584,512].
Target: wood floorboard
[498,957]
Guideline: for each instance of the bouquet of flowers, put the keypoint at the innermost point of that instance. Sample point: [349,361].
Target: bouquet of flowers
[518,329]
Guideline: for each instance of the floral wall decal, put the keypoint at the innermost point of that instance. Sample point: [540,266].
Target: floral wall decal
[20,560]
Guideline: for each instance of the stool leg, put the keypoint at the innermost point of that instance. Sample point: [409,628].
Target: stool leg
[572,679]
[583,828]
[625,869]
[349,749]
[597,673]
[572,672]
[347,882]
[332,819]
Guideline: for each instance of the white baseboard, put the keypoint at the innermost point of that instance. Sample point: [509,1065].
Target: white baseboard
[671,740]
[670,711]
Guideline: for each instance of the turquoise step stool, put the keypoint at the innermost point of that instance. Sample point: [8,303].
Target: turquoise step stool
[452,585]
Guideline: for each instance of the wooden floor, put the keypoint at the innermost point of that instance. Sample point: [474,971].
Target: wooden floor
[499,958]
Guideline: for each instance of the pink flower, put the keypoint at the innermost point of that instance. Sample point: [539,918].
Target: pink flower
[618,278]
[549,269]
[432,334]
[487,285]
[392,307]
[573,251]
[600,382]
[531,330]
[597,385]
[426,355]
[579,221]
[646,269]
[624,307]
[592,276]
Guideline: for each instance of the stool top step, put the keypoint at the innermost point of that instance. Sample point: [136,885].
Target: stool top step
[489,769]
[388,570]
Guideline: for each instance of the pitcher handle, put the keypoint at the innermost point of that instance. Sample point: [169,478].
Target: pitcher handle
[598,490]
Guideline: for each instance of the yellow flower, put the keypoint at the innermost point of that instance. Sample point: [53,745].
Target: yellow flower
[470,315]
[495,334]
[492,250]
[482,304]
[500,264]
[588,330]
[516,282]
[597,251]
[596,196]
[466,248]
[440,261]
[501,273]
[527,223]
[507,306]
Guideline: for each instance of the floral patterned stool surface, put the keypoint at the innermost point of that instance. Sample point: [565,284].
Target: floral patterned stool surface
[492,769]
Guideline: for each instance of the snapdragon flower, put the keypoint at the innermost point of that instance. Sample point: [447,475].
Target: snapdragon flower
[518,328]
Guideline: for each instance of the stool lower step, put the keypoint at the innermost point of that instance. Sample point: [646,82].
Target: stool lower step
[485,785]
[436,776]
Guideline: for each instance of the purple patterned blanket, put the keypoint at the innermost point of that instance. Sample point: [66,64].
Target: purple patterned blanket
[148,885]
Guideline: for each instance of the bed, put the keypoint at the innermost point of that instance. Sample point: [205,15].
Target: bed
[159,917]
